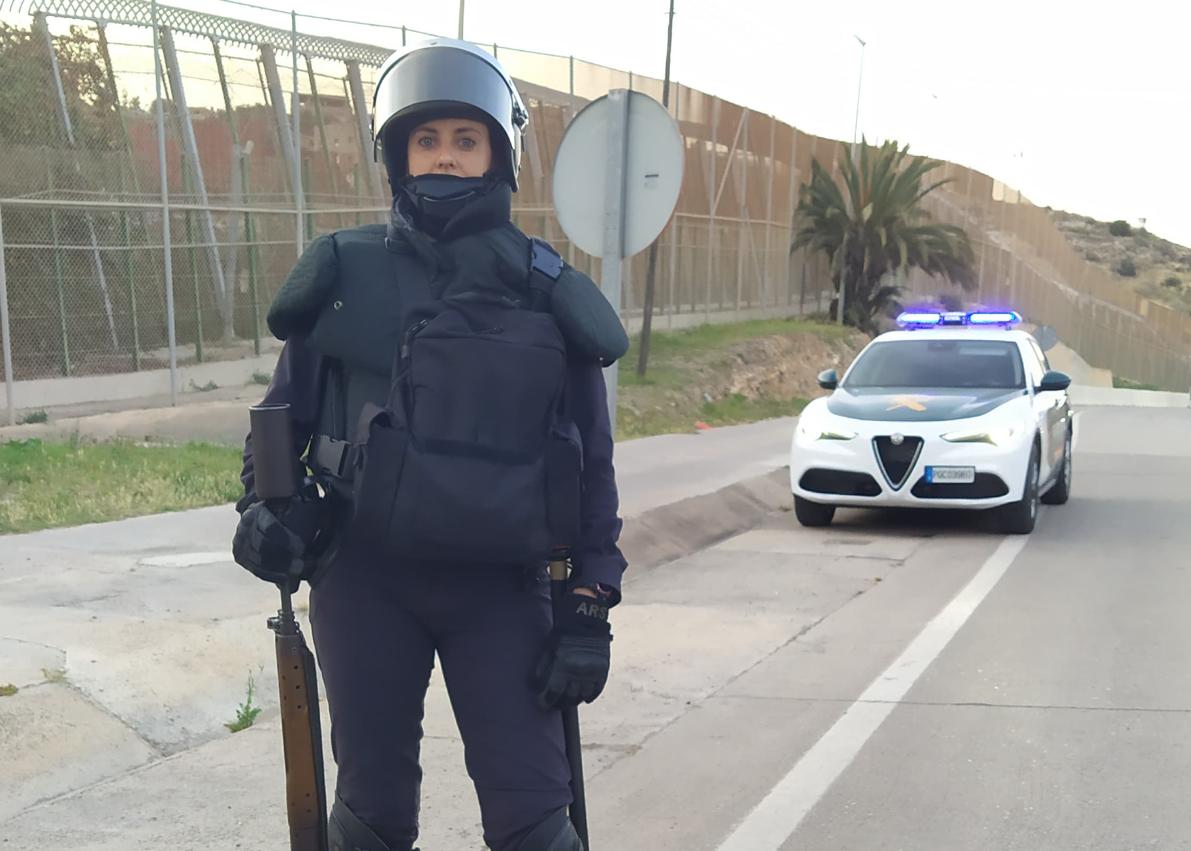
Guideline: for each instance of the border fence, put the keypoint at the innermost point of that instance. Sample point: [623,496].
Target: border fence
[147,217]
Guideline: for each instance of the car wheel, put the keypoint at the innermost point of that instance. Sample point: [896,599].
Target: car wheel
[1060,491]
[813,513]
[1018,518]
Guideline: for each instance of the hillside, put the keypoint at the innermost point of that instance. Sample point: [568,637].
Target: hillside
[1162,268]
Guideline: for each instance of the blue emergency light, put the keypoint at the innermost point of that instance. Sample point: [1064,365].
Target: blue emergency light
[935,318]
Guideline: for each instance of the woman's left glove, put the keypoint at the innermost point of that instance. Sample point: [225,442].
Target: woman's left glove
[281,544]
[573,668]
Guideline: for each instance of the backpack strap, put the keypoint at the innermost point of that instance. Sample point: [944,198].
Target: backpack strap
[545,267]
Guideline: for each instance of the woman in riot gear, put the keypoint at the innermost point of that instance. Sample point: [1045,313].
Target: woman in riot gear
[455,450]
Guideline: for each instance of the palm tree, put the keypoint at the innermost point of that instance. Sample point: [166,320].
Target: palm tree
[879,229]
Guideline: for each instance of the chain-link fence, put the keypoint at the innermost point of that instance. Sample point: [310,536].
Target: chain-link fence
[262,142]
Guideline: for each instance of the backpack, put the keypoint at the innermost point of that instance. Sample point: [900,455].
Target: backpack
[472,459]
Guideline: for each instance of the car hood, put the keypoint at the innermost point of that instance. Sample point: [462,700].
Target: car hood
[917,404]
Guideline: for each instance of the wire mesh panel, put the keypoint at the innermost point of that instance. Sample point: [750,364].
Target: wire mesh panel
[80,191]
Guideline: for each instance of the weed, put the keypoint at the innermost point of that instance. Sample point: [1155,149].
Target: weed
[261,378]
[8,690]
[210,385]
[54,675]
[245,713]
[39,416]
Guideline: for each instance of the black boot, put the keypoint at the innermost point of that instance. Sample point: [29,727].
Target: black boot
[553,833]
[345,832]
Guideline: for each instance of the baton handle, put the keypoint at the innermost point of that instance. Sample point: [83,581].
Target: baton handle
[559,571]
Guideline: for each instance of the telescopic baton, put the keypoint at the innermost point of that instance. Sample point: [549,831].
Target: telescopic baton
[559,570]
[272,436]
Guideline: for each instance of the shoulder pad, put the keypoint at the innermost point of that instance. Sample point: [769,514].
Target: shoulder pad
[306,289]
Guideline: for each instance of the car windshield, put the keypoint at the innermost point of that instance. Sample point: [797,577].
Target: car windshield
[939,363]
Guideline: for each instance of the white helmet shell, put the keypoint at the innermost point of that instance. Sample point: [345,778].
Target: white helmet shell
[436,74]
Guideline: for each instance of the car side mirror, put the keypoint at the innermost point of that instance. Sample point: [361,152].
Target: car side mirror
[1054,380]
[828,379]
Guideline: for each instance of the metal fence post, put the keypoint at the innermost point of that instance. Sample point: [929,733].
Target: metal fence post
[299,192]
[165,214]
[6,332]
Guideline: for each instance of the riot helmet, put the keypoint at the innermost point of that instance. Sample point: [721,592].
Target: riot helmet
[440,78]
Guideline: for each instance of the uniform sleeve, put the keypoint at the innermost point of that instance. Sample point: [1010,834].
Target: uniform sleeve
[296,381]
[596,557]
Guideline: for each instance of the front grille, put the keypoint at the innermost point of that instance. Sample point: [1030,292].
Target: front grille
[839,482]
[897,460]
[986,486]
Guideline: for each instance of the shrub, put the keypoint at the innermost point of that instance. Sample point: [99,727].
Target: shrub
[1174,282]
[1120,228]
[1092,256]
[1126,268]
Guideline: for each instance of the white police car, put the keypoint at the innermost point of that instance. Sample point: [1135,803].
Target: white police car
[957,410]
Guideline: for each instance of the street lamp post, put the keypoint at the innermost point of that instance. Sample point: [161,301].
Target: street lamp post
[859,83]
[843,273]
[461,20]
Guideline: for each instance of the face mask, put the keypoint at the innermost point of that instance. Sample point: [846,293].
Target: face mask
[435,198]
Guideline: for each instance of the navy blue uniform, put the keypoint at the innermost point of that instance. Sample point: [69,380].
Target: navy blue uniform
[377,627]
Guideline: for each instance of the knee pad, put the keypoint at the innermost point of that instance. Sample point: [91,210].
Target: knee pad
[345,832]
[553,833]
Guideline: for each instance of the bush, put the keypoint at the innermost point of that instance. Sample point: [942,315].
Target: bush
[1120,228]
[1092,256]
[1126,268]
[1174,282]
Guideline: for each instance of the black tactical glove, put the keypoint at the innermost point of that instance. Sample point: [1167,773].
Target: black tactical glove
[281,545]
[573,667]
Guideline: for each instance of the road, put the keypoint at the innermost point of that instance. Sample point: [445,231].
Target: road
[896,681]
[1057,717]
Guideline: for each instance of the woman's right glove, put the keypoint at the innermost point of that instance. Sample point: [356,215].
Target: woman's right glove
[574,666]
[281,544]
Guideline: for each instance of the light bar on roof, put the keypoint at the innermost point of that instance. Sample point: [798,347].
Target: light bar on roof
[994,317]
[935,318]
[922,319]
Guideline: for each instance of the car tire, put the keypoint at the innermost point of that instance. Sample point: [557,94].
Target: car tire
[813,513]
[1019,518]
[1060,491]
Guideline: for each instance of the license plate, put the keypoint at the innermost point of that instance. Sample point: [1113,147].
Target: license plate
[950,475]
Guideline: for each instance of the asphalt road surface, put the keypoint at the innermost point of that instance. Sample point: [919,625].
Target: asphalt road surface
[988,693]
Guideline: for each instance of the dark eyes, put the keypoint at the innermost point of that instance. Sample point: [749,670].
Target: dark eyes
[466,143]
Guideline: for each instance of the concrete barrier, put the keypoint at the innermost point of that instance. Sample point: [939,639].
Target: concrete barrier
[1112,396]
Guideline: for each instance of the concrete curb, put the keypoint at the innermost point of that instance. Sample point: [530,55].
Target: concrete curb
[670,532]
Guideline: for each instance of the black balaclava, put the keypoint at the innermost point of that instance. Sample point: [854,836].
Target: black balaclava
[431,202]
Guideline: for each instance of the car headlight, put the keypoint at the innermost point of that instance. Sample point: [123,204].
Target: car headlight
[824,429]
[836,435]
[998,436]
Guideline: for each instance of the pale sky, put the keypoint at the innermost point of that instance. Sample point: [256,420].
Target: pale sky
[1082,105]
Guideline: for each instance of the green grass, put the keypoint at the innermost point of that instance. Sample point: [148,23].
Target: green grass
[736,409]
[47,484]
[1129,384]
[721,336]
[663,401]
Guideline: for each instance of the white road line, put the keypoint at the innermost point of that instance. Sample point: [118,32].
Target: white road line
[774,820]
